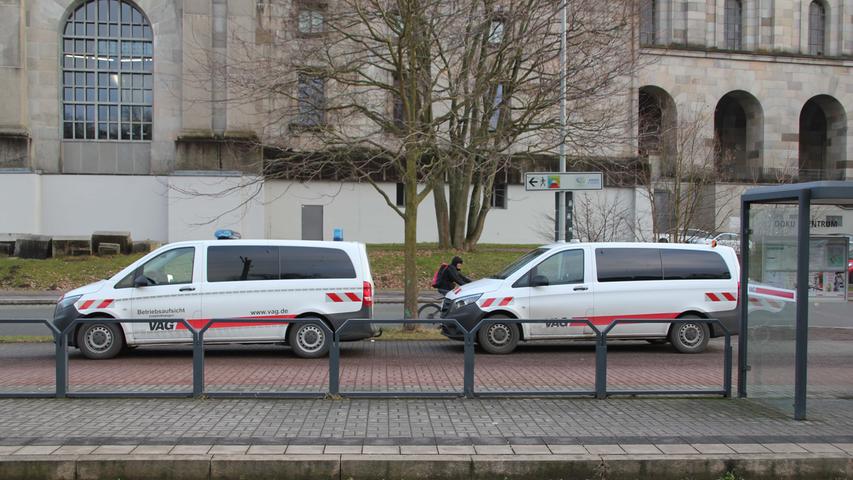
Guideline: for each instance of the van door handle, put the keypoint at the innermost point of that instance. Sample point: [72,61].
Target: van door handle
[186,289]
[580,289]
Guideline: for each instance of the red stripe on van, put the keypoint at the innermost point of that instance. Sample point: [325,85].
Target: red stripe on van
[729,296]
[353,297]
[105,303]
[777,293]
[488,302]
[198,323]
[334,297]
[712,297]
[86,304]
[506,301]
[608,319]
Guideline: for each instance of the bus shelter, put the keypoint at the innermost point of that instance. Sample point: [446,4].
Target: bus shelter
[796,340]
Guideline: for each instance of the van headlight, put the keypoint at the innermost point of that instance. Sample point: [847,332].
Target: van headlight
[463,301]
[64,303]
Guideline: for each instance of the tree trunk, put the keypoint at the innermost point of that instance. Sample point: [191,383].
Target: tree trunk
[410,242]
[441,214]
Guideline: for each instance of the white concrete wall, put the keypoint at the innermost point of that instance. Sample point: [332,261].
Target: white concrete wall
[198,206]
[82,204]
[19,203]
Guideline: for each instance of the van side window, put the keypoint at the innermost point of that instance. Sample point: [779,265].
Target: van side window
[693,265]
[172,267]
[561,269]
[315,263]
[242,263]
[628,264]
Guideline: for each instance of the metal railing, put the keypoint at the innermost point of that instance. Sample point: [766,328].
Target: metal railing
[469,369]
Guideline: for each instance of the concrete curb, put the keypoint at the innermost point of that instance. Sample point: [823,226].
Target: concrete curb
[439,467]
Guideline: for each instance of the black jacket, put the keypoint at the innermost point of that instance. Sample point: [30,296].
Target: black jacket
[450,278]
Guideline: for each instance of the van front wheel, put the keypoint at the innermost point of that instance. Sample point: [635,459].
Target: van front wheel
[499,337]
[309,340]
[689,337]
[100,341]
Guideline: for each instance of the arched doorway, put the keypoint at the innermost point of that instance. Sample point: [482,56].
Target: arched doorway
[656,123]
[823,139]
[739,134]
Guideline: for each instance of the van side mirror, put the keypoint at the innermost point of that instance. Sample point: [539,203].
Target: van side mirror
[141,281]
[539,281]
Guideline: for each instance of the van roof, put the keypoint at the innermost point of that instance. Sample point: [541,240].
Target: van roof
[685,246]
[262,241]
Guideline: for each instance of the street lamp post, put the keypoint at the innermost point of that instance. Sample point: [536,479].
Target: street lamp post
[561,196]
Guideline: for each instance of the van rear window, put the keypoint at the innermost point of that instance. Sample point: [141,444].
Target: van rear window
[628,264]
[315,263]
[693,265]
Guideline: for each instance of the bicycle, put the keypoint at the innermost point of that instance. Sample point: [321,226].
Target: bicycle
[431,310]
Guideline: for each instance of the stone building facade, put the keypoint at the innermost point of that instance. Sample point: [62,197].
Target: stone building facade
[143,125]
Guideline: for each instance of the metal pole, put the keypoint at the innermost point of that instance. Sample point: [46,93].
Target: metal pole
[468,372]
[198,364]
[561,196]
[62,364]
[601,366]
[802,329]
[743,297]
[335,365]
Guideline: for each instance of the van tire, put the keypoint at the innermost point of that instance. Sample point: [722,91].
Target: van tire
[309,340]
[689,337]
[498,338]
[100,341]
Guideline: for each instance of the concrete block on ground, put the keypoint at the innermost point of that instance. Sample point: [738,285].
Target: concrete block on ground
[41,467]
[33,246]
[143,467]
[121,238]
[145,246]
[535,467]
[275,467]
[106,248]
[64,246]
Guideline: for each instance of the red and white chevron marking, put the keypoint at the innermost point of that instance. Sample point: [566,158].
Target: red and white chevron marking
[100,304]
[334,297]
[720,297]
[496,302]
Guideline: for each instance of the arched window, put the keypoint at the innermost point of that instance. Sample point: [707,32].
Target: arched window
[817,28]
[648,10]
[734,23]
[107,67]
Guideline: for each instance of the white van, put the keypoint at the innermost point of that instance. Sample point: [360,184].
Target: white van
[601,282]
[247,279]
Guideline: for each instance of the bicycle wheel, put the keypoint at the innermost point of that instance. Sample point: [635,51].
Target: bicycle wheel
[429,311]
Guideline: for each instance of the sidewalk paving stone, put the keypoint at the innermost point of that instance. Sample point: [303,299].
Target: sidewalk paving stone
[305,449]
[8,450]
[821,448]
[785,448]
[640,449]
[190,450]
[267,450]
[847,447]
[677,449]
[419,450]
[37,450]
[748,448]
[380,450]
[74,450]
[560,449]
[228,449]
[604,449]
[531,449]
[456,450]
[712,448]
[152,449]
[114,449]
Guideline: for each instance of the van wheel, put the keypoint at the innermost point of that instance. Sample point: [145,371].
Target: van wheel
[689,337]
[498,338]
[309,340]
[100,341]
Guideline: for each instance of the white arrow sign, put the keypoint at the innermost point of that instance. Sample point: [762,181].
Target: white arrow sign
[562,182]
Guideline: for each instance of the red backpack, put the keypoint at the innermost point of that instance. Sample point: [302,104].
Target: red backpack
[438,273]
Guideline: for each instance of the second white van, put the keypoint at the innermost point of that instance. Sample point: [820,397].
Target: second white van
[601,282]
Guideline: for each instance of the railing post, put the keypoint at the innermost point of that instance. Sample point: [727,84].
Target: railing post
[62,363]
[198,363]
[601,366]
[727,366]
[335,365]
[468,372]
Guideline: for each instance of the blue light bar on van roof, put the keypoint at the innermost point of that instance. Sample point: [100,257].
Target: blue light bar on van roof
[226,234]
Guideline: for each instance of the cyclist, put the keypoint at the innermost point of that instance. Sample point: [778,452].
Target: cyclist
[451,276]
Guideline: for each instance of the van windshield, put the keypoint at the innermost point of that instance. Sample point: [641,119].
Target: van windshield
[516,265]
